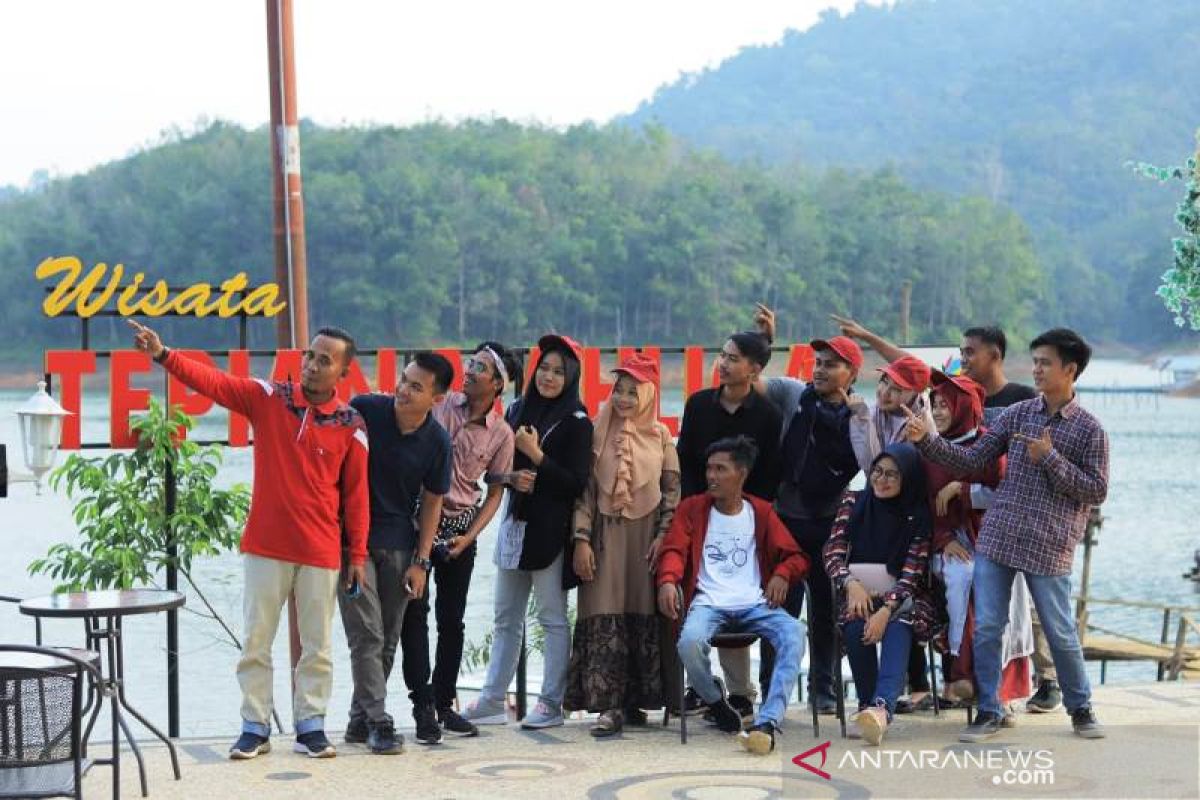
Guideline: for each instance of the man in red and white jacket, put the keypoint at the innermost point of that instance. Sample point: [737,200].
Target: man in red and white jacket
[310,482]
[735,561]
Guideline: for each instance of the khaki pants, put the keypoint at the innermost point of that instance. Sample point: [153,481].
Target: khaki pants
[1043,663]
[735,664]
[268,582]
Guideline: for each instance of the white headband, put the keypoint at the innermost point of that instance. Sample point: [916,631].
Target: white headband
[499,363]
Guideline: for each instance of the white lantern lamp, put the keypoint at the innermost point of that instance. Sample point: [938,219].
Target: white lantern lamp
[41,420]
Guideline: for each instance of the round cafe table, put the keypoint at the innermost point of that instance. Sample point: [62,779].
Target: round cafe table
[102,613]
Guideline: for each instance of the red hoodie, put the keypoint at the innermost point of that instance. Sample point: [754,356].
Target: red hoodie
[683,546]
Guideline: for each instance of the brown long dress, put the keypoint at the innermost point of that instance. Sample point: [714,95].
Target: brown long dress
[617,649]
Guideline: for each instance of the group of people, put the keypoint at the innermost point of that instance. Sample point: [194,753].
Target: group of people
[977,492]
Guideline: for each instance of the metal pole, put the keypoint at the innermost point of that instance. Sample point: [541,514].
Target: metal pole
[521,690]
[173,614]
[290,254]
[290,262]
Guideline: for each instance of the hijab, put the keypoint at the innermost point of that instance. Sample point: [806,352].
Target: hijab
[965,398]
[544,413]
[628,457]
[882,530]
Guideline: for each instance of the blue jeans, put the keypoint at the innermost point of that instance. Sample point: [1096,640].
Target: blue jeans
[878,677]
[1052,599]
[774,625]
[550,604]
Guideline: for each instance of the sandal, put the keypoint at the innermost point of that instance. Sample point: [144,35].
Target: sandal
[905,705]
[607,724]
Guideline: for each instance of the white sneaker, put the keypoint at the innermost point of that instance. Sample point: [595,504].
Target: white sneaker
[542,716]
[481,713]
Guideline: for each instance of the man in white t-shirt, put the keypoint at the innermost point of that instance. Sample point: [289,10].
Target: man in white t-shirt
[735,561]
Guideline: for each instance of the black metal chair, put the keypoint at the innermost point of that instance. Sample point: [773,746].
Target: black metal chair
[41,711]
[839,684]
[731,640]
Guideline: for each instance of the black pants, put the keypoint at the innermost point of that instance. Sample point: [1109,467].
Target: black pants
[452,579]
[810,535]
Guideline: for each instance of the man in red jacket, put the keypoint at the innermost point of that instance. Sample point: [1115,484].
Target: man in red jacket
[310,481]
[735,561]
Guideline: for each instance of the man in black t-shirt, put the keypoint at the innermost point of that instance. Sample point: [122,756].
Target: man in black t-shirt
[983,350]
[408,469]
[734,408]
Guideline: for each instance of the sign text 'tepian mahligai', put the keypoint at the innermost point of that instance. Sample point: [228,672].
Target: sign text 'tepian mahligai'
[91,294]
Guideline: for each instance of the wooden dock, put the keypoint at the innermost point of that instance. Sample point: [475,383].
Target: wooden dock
[1112,648]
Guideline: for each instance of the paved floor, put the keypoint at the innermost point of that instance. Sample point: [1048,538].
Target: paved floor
[1152,751]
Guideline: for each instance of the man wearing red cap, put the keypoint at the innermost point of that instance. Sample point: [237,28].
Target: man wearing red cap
[817,464]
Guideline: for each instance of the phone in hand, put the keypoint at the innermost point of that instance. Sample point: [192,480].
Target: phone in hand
[354,591]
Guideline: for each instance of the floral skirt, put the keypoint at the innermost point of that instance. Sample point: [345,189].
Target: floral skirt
[617,651]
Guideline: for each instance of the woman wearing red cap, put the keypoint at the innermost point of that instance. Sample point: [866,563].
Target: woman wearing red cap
[957,408]
[902,384]
[619,522]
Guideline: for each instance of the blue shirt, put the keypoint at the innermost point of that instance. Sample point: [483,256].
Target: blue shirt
[399,467]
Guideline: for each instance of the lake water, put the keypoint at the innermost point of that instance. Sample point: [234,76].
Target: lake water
[1145,546]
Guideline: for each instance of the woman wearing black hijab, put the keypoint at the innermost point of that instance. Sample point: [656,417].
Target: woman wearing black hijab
[551,467]
[877,557]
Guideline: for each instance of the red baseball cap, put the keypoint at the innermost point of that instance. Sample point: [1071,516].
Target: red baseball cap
[960,384]
[641,368]
[908,372]
[846,349]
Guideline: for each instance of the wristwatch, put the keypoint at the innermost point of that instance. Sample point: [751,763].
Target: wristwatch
[424,563]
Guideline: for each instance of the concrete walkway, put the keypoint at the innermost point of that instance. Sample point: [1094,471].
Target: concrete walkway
[1152,750]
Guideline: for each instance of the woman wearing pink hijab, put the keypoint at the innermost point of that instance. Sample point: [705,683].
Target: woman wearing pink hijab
[627,507]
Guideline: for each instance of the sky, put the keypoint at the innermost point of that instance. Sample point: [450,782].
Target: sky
[85,82]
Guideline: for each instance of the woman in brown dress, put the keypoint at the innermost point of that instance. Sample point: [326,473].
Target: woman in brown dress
[620,520]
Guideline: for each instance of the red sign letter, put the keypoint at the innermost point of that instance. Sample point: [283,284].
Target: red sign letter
[122,398]
[71,365]
[178,394]
[239,426]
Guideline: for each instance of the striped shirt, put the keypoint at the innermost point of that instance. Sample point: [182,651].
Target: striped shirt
[1039,512]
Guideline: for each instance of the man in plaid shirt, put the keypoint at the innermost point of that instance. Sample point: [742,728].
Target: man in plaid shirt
[1057,470]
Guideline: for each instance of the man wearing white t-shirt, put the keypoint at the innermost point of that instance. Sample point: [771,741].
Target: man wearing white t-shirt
[735,561]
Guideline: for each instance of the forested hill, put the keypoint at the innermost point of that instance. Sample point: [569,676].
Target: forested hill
[1036,104]
[438,234]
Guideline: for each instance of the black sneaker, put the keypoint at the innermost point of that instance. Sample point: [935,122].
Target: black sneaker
[741,704]
[1085,723]
[635,716]
[759,739]
[383,739]
[726,717]
[1047,698]
[428,730]
[314,744]
[357,731]
[986,725]
[693,703]
[452,722]
[248,746]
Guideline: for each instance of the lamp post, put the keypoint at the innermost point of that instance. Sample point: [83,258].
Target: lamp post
[41,432]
